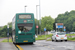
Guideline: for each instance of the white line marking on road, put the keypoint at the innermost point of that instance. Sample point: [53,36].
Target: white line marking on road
[52,48]
[48,47]
[45,46]
[38,44]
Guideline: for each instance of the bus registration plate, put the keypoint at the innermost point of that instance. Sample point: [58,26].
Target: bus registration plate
[25,41]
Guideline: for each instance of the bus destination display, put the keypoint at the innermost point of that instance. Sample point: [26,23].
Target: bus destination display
[24,16]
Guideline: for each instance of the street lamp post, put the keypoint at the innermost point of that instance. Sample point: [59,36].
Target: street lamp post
[40,16]
[8,32]
[25,9]
[37,19]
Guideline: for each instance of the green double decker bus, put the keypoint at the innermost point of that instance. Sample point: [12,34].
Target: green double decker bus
[23,28]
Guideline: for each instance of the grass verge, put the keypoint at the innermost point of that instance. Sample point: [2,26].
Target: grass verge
[48,39]
[70,34]
[6,40]
[71,39]
[43,37]
[1,37]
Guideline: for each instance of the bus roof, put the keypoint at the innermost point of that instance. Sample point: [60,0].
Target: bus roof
[24,13]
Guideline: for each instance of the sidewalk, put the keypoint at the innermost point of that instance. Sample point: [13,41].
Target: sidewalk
[7,46]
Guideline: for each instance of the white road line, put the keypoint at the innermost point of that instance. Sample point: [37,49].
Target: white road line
[48,47]
[52,48]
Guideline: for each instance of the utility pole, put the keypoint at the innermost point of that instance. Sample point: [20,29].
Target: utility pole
[25,9]
[8,32]
[37,19]
[40,16]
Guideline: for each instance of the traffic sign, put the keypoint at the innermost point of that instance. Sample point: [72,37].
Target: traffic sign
[60,26]
[36,26]
[64,29]
[44,29]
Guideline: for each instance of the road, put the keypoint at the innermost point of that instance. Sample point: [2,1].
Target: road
[49,45]
[7,45]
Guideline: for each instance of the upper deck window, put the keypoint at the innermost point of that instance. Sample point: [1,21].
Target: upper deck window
[24,16]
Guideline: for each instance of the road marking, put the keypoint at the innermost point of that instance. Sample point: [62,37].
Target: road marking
[48,47]
[19,47]
[38,44]
[52,48]
[45,46]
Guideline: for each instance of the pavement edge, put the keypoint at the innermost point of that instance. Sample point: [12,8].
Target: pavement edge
[19,47]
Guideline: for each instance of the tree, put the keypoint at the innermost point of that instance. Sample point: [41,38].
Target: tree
[3,30]
[68,19]
[47,22]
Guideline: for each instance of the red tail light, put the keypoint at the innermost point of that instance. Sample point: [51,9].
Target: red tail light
[65,35]
[57,36]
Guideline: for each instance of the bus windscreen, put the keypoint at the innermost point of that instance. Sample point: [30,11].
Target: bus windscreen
[25,27]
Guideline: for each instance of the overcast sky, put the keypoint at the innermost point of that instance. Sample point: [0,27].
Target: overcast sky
[8,8]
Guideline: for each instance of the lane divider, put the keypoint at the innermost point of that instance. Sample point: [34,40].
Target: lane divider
[19,47]
[45,46]
[52,48]
[48,47]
